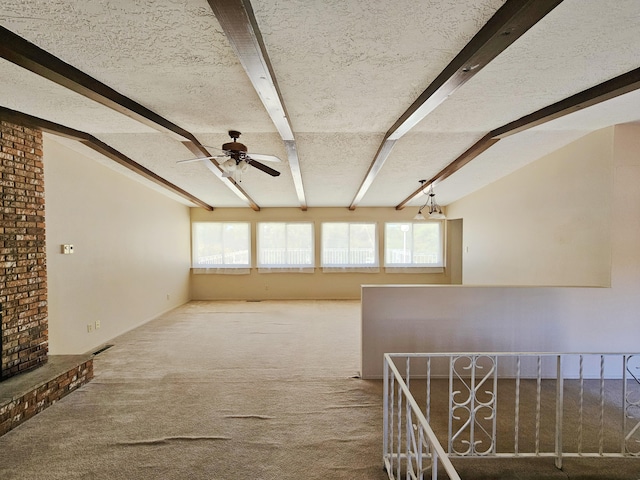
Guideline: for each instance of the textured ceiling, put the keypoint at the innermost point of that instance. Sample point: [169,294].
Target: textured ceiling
[346,72]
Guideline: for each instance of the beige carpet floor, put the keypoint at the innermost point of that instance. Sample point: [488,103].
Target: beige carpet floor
[215,390]
[234,390]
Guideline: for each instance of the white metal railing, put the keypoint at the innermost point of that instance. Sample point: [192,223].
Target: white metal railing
[403,256]
[293,256]
[304,256]
[452,399]
[285,256]
[348,256]
[416,449]
[228,258]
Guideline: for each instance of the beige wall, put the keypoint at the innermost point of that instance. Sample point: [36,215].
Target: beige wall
[488,318]
[132,251]
[626,210]
[317,285]
[462,318]
[545,224]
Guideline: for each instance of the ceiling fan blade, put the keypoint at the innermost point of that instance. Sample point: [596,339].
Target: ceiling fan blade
[199,159]
[264,158]
[264,168]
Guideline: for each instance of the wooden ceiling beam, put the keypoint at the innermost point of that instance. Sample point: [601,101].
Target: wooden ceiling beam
[99,146]
[625,83]
[240,26]
[384,150]
[480,146]
[31,57]
[510,22]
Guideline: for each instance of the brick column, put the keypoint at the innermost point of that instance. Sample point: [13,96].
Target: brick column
[23,274]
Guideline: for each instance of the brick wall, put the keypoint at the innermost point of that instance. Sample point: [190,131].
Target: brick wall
[23,281]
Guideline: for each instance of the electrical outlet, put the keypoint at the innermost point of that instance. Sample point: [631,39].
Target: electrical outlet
[97,324]
[89,328]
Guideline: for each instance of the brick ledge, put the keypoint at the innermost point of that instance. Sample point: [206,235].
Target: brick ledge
[25,395]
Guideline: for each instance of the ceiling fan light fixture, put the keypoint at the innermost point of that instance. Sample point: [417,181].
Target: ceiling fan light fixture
[229,165]
[242,166]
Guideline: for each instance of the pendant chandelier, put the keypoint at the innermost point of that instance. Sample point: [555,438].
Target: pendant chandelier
[433,210]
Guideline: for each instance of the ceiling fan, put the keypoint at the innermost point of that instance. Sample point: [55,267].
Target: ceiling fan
[239,160]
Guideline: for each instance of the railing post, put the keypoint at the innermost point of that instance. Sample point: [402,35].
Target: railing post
[601,433]
[385,410]
[516,419]
[495,406]
[399,445]
[409,436]
[407,418]
[419,453]
[623,439]
[538,402]
[434,466]
[450,413]
[559,411]
[472,407]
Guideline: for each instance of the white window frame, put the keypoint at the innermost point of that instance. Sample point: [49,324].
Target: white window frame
[413,266]
[265,267]
[351,267]
[213,267]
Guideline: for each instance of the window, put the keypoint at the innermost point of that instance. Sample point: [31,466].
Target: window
[413,245]
[349,246]
[221,247]
[285,246]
